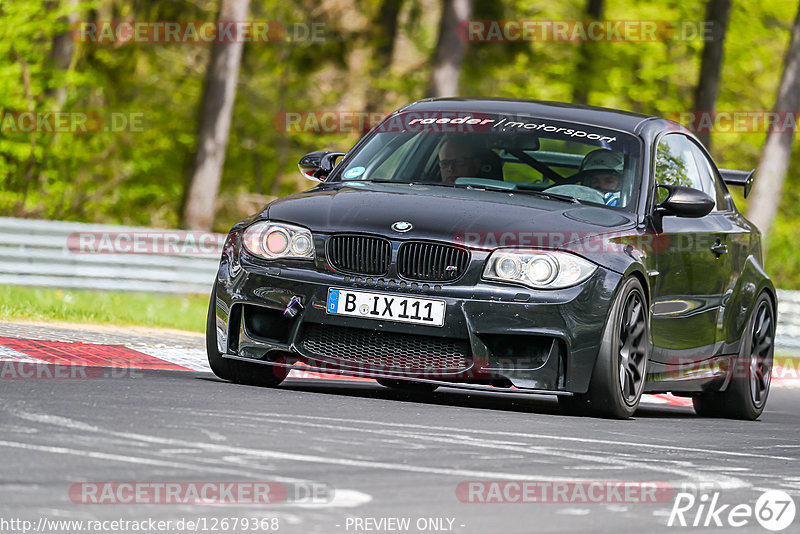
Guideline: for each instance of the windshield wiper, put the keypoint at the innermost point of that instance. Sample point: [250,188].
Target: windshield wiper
[398,182]
[376,181]
[554,196]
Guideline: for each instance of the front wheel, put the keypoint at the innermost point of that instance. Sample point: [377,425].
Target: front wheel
[620,371]
[746,395]
[251,374]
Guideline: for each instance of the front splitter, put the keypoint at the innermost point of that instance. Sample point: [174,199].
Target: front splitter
[376,375]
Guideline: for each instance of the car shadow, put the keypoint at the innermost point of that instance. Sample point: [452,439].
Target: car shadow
[483,400]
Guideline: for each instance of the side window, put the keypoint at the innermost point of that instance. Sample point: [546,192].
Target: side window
[711,185]
[675,165]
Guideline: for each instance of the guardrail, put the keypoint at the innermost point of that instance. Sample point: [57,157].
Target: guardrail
[51,254]
[787,336]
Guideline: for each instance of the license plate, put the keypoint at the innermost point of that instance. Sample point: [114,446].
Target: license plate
[385,307]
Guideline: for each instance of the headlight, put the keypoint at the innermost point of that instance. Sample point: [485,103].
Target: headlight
[538,268]
[274,241]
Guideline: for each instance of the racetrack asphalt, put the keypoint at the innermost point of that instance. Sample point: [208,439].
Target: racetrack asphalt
[379,457]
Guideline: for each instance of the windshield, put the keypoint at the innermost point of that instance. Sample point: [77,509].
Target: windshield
[582,163]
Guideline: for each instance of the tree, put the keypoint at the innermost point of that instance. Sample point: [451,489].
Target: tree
[774,161]
[62,49]
[585,69]
[384,33]
[219,94]
[705,97]
[450,49]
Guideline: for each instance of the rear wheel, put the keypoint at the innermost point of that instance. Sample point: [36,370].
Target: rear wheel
[748,388]
[407,385]
[252,374]
[620,371]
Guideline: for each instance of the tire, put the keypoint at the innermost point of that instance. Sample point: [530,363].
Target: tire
[407,385]
[239,372]
[748,388]
[620,371]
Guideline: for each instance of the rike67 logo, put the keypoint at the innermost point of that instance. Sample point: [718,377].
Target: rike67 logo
[774,510]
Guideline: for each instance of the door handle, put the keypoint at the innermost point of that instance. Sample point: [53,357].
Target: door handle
[719,249]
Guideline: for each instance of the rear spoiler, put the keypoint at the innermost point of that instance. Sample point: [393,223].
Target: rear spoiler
[740,178]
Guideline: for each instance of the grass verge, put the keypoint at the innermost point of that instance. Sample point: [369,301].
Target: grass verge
[182,312]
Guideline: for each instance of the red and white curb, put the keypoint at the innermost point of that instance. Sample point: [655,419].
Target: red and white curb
[18,351]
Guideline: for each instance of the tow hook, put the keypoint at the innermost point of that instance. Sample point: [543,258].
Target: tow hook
[293,308]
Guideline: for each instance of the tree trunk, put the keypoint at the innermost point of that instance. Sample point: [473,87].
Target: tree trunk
[219,94]
[384,32]
[774,162]
[450,49]
[705,96]
[283,95]
[585,69]
[61,52]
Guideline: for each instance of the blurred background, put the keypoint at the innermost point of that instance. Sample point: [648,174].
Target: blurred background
[196,134]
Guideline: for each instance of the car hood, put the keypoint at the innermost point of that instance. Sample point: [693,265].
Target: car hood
[480,218]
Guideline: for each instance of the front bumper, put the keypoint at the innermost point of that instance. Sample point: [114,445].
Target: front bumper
[511,335]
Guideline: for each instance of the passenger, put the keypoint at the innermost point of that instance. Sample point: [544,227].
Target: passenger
[601,169]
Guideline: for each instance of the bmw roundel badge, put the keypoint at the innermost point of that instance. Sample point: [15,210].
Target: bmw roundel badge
[401,226]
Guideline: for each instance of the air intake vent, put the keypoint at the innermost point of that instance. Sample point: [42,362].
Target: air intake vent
[360,254]
[431,262]
[386,351]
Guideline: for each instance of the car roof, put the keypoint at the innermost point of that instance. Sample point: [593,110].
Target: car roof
[597,116]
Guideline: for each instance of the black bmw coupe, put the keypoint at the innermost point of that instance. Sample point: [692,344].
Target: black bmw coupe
[507,245]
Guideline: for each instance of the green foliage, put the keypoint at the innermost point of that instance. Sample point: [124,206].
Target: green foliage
[137,175]
[670,169]
[181,312]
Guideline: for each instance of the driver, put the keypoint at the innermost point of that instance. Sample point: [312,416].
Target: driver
[602,170]
[457,158]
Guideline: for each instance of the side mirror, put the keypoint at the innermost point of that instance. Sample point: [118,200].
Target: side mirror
[684,201]
[318,165]
[740,178]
